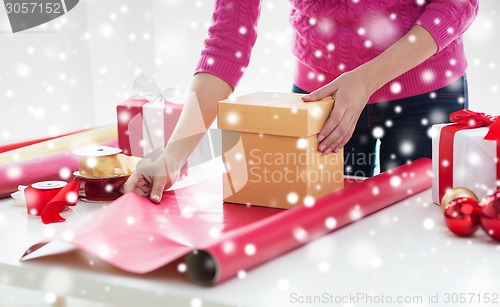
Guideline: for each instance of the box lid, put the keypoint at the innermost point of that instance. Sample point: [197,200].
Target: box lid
[273,113]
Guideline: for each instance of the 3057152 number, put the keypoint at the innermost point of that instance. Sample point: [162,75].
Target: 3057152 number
[33,8]
[471,297]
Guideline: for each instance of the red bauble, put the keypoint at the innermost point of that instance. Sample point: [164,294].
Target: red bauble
[490,215]
[462,216]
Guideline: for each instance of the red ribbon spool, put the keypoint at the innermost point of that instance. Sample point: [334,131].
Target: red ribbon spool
[101,189]
[48,198]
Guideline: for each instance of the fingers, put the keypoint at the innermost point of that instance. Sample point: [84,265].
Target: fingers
[131,182]
[339,136]
[331,123]
[143,188]
[157,189]
[322,92]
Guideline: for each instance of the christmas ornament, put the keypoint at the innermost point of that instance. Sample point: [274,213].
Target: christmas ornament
[455,193]
[462,216]
[490,215]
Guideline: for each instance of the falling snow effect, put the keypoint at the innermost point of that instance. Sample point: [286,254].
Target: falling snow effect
[292,198]
[250,249]
[378,132]
[482,31]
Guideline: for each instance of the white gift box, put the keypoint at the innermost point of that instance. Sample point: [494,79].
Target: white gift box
[474,164]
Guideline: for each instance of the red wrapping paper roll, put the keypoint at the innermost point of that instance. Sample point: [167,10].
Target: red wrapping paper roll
[269,238]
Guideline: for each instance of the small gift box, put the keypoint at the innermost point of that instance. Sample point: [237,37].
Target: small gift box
[270,150]
[147,120]
[465,154]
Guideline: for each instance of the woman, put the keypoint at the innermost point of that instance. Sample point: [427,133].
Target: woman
[394,68]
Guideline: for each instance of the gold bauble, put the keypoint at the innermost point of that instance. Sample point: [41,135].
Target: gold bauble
[455,193]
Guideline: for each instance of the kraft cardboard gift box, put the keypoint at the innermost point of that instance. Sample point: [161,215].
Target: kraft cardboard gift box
[270,151]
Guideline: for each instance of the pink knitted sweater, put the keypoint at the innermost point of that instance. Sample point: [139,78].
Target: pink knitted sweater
[335,36]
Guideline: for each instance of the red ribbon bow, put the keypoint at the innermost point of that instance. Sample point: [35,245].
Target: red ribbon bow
[472,119]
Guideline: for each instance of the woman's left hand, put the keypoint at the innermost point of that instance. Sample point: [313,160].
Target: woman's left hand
[351,92]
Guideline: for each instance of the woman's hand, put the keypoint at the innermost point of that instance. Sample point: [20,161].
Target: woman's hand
[155,175]
[151,178]
[351,92]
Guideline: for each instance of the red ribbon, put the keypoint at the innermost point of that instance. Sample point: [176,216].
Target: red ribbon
[49,203]
[102,189]
[463,119]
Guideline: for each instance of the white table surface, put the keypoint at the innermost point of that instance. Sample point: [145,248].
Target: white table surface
[404,250]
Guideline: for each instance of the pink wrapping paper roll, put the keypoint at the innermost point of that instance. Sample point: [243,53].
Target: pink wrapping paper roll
[269,238]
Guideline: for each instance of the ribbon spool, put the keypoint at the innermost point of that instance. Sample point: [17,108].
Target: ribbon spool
[100,189]
[39,194]
[102,170]
[48,198]
[103,161]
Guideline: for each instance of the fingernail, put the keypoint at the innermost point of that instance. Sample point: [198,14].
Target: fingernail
[155,198]
[322,147]
[328,151]
[336,150]
[321,138]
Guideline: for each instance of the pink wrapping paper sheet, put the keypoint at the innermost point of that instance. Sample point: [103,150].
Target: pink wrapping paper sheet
[137,236]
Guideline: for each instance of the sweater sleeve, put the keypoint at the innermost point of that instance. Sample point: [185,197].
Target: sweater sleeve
[447,20]
[230,39]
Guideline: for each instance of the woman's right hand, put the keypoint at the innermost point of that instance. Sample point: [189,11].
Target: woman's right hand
[154,175]
[151,178]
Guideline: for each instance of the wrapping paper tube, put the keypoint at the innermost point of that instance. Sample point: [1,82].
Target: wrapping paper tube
[8,147]
[269,238]
[94,136]
[55,166]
